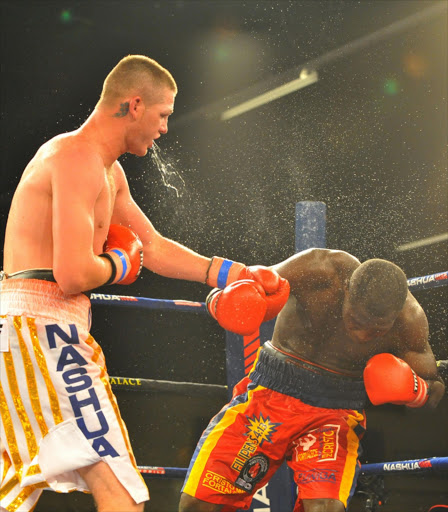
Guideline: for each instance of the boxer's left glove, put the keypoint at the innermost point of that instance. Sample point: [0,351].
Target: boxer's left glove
[389,379]
[239,308]
[223,272]
[124,249]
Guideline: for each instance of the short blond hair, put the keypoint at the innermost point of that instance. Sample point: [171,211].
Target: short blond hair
[136,74]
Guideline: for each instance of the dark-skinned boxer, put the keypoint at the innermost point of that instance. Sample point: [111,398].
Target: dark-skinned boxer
[348,331]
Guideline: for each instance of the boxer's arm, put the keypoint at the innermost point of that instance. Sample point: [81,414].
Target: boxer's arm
[404,380]
[160,254]
[414,349]
[425,366]
[77,178]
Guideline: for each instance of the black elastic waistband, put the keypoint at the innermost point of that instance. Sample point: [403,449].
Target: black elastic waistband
[312,385]
[43,274]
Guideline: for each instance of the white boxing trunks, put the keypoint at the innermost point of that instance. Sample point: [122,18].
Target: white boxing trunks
[57,409]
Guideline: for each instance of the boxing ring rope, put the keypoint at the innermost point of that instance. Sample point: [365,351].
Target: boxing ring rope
[168,386]
[429,281]
[147,303]
[414,283]
[432,464]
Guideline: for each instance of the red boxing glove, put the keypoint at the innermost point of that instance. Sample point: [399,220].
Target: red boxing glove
[239,308]
[389,379]
[222,272]
[276,288]
[124,249]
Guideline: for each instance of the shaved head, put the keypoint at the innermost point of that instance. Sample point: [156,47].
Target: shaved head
[379,287]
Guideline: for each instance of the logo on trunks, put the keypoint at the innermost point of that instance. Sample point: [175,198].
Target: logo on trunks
[317,475]
[253,471]
[321,444]
[80,389]
[219,484]
[259,430]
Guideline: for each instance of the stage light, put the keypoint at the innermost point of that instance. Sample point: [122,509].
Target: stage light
[306,78]
[66,16]
[391,87]
[423,242]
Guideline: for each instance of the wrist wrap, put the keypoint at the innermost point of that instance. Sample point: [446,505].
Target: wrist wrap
[114,268]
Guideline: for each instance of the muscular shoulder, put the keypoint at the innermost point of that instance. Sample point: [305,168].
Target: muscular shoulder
[317,261]
[412,326]
[70,157]
[55,158]
[317,267]
[71,148]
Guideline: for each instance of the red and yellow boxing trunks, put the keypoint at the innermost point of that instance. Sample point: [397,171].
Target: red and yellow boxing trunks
[303,414]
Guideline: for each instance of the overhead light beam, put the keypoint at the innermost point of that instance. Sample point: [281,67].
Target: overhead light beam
[306,78]
[424,241]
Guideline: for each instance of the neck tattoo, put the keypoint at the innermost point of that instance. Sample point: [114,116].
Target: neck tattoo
[124,109]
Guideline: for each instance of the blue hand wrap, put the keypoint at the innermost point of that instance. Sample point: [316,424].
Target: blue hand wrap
[223,273]
[122,257]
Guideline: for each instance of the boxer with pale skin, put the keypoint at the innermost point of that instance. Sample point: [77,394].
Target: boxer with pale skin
[348,331]
[74,226]
[79,188]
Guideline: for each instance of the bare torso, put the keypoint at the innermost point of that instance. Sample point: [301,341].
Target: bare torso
[321,338]
[29,232]
[310,325]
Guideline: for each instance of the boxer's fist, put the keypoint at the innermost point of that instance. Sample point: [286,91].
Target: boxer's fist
[276,289]
[239,308]
[223,272]
[269,279]
[389,379]
[124,249]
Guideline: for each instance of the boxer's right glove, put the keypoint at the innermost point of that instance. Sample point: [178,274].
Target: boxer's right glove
[223,272]
[389,379]
[124,249]
[239,308]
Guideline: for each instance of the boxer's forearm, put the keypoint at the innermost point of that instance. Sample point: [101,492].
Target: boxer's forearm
[171,259]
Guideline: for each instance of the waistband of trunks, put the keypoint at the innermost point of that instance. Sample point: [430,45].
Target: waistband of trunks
[44,274]
[311,384]
[44,299]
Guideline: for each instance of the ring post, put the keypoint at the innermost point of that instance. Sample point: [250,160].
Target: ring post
[279,494]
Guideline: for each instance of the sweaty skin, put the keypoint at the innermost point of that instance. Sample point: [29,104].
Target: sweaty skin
[74,188]
[319,324]
[312,326]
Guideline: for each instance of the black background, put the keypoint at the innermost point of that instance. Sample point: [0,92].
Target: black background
[369,139]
